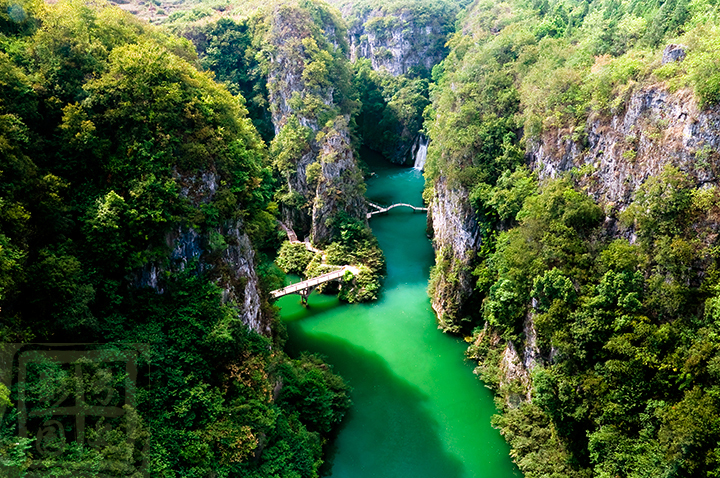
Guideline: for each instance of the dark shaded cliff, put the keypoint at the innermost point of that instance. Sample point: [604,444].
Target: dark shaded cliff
[134,192]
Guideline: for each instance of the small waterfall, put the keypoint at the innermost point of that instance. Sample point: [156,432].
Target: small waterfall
[420,152]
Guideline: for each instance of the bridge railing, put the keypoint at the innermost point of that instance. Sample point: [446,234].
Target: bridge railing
[312,283]
[381,210]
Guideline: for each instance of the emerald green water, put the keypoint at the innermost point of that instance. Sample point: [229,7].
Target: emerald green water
[418,410]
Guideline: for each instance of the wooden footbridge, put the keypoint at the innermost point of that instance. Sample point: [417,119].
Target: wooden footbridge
[305,288]
[380,209]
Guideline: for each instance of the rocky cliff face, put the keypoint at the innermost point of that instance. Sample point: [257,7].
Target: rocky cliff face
[456,237]
[657,128]
[325,175]
[403,41]
[292,49]
[398,40]
[225,253]
[340,186]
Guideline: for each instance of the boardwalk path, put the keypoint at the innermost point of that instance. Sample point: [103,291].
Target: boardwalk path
[304,288]
[292,237]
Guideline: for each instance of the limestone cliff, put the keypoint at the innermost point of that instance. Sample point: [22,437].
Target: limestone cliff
[402,42]
[224,253]
[622,150]
[308,81]
[655,129]
[398,41]
[292,49]
[340,186]
[456,238]
[399,37]
[290,60]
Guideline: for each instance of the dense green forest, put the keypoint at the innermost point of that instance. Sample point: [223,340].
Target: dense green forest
[143,171]
[619,299]
[129,181]
[232,41]
[393,102]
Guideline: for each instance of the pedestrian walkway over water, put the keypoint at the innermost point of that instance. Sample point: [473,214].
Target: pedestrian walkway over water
[305,288]
[380,209]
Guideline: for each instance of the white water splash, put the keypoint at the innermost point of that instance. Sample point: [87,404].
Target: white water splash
[420,153]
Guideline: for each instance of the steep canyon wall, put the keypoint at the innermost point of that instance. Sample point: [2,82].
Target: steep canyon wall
[308,81]
[621,151]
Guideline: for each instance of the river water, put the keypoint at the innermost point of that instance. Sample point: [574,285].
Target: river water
[418,410]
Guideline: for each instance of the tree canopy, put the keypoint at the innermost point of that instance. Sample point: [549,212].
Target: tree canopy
[115,148]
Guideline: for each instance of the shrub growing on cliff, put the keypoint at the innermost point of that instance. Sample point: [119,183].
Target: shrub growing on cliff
[629,355]
[309,389]
[662,205]
[391,115]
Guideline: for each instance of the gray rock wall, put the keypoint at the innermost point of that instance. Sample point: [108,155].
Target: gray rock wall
[456,237]
[657,128]
[399,41]
[224,253]
[340,186]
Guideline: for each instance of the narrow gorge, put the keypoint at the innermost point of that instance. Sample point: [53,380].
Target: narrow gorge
[547,306]
[418,411]
[573,204]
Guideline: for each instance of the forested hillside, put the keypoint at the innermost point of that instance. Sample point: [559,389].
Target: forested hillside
[572,176]
[151,180]
[290,59]
[134,194]
[392,47]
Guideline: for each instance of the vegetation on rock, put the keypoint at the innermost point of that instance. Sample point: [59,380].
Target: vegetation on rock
[290,59]
[130,183]
[610,306]
[133,187]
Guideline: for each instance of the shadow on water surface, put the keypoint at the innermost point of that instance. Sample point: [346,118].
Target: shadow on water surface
[317,304]
[388,433]
[418,411]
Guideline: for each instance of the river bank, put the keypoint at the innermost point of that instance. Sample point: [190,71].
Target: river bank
[418,409]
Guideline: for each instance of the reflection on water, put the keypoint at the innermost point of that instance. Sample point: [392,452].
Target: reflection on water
[388,411]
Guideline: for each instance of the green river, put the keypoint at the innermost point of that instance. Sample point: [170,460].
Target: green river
[418,410]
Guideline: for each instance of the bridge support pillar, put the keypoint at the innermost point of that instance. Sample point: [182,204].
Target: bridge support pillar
[304,294]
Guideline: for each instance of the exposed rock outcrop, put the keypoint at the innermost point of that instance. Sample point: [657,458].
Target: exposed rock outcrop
[656,129]
[340,188]
[513,370]
[224,253]
[300,87]
[531,352]
[404,40]
[673,53]
[398,40]
[456,237]
[292,48]
[512,376]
